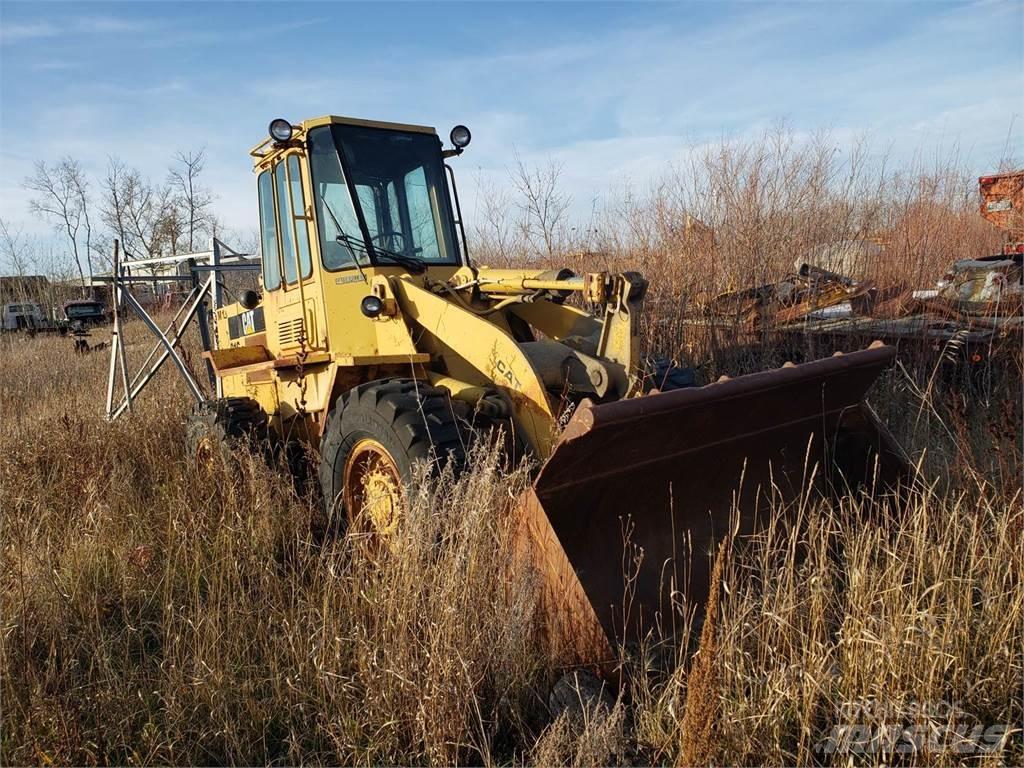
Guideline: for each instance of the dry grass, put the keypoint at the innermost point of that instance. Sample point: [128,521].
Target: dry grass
[849,619]
[156,615]
[701,712]
[153,614]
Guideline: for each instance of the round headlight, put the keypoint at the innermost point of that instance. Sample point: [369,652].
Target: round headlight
[460,136]
[280,129]
[371,306]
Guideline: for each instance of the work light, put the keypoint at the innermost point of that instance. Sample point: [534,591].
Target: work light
[371,306]
[280,130]
[460,136]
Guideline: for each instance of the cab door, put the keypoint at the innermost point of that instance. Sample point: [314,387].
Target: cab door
[290,282]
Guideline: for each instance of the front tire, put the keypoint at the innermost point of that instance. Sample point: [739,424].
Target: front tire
[216,428]
[374,437]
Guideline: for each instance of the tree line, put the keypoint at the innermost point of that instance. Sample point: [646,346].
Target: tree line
[166,216]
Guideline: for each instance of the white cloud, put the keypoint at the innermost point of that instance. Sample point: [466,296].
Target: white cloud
[12,32]
[105,24]
[52,65]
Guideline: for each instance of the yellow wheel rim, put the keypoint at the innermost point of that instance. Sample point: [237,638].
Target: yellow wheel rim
[372,489]
[206,453]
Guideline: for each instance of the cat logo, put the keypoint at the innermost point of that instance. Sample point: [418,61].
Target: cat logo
[248,322]
[505,371]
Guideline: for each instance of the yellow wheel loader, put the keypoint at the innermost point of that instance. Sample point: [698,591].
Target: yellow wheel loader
[376,339]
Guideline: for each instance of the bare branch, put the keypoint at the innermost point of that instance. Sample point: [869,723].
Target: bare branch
[544,206]
[190,198]
[61,197]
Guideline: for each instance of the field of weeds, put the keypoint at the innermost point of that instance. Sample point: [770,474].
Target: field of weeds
[152,613]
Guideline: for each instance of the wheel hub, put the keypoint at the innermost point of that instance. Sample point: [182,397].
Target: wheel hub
[372,490]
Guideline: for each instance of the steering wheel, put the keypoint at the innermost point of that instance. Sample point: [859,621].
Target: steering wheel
[390,235]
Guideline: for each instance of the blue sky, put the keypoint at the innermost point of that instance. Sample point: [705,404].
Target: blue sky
[610,90]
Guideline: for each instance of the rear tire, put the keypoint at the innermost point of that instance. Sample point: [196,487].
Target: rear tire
[372,440]
[217,428]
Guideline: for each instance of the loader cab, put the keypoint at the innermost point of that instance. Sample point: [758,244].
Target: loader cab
[366,195]
[342,200]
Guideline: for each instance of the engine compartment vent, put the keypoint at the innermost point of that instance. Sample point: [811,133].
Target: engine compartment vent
[289,331]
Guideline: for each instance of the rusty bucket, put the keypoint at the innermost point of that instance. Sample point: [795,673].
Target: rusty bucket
[624,515]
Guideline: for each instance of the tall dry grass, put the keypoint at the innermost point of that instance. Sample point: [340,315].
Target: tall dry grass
[150,613]
[738,213]
[153,614]
[156,614]
[741,213]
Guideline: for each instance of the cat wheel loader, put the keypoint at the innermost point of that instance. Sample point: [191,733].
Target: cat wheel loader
[376,339]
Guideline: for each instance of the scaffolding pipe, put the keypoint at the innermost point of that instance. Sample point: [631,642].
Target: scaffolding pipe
[196,304]
[209,292]
[185,372]
[118,346]
[170,326]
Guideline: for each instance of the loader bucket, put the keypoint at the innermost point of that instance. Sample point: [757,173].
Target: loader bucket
[646,486]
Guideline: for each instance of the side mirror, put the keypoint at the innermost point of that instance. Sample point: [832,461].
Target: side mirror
[250,299]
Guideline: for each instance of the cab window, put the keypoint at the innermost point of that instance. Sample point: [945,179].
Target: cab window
[341,240]
[298,213]
[268,230]
[380,189]
[285,219]
[423,216]
[371,212]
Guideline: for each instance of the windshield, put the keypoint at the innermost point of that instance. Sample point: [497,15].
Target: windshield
[399,186]
[84,310]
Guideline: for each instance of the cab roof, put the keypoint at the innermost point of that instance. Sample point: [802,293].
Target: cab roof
[313,123]
[267,148]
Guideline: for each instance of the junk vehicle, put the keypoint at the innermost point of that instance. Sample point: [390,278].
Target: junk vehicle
[1002,203]
[376,340]
[974,313]
[85,312]
[23,316]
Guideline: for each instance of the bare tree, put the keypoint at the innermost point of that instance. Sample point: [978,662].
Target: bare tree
[149,216]
[498,234]
[61,197]
[80,185]
[24,259]
[543,206]
[215,226]
[114,209]
[251,242]
[245,240]
[102,249]
[15,249]
[172,227]
[190,197]
[139,212]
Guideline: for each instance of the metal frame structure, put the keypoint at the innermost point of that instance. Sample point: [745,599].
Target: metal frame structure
[205,297]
